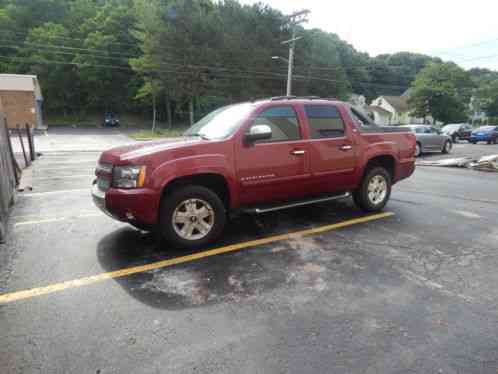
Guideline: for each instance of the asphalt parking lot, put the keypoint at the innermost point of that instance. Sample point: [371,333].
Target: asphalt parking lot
[411,291]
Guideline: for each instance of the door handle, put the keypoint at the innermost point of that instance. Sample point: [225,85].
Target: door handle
[346,147]
[298,152]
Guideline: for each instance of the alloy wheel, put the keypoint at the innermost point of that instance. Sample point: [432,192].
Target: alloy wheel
[193,219]
[377,189]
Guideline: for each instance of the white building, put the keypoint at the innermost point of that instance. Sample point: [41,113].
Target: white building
[394,110]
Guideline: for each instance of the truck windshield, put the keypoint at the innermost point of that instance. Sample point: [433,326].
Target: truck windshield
[221,123]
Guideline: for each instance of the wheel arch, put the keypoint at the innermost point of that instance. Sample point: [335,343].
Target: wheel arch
[386,161]
[214,181]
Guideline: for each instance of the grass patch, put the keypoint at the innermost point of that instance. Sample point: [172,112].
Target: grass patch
[157,134]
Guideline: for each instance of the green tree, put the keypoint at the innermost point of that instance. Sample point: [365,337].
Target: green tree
[443,91]
[57,74]
[488,98]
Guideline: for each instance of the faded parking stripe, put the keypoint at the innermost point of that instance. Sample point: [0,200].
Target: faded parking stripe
[34,292]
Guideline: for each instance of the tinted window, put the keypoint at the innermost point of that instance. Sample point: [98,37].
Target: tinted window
[324,121]
[221,123]
[360,119]
[283,123]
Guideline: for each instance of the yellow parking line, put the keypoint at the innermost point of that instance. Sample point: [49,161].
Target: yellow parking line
[34,292]
[35,222]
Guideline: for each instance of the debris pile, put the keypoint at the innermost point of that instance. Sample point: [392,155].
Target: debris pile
[486,163]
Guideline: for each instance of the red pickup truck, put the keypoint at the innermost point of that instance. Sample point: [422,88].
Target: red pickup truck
[252,157]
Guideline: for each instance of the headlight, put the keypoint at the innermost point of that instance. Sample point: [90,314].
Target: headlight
[128,176]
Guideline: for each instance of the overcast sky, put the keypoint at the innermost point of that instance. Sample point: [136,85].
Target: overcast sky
[465,32]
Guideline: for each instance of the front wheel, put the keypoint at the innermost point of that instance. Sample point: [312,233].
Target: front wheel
[375,190]
[192,216]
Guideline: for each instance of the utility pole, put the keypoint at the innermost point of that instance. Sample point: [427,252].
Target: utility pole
[295,19]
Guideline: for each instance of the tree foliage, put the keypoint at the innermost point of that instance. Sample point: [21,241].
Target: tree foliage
[442,90]
[125,55]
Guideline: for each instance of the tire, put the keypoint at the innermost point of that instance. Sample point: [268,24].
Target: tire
[447,147]
[418,150]
[186,203]
[366,196]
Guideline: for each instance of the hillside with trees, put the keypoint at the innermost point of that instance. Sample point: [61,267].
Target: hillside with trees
[180,55]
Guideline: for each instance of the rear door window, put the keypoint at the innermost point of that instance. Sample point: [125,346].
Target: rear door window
[325,121]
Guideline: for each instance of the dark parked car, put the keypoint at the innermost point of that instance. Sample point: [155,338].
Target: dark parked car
[487,134]
[253,157]
[110,120]
[458,131]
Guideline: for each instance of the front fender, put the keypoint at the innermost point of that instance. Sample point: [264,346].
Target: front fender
[195,165]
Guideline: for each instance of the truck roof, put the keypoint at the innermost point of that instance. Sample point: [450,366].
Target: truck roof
[299,99]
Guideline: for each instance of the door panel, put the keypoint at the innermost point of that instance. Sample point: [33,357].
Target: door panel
[277,169]
[332,151]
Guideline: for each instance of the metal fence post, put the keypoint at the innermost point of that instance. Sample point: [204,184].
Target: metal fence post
[31,143]
[15,165]
[26,161]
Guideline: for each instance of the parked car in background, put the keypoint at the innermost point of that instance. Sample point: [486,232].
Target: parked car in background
[254,157]
[487,134]
[430,139]
[110,120]
[457,131]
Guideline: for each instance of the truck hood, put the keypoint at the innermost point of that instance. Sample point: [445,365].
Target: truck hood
[128,153]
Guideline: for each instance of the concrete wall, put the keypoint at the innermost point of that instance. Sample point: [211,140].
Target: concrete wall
[19,107]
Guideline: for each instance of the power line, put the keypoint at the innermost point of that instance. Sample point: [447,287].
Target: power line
[123,55]
[179,72]
[24,34]
[170,64]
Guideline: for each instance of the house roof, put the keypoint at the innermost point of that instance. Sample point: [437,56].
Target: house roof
[400,103]
[17,82]
[378,109]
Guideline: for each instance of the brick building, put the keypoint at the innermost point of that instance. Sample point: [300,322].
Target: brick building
[22,100]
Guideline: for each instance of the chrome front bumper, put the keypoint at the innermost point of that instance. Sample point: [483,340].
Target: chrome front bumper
[99,199]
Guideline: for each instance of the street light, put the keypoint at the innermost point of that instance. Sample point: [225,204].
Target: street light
[280,58]
[295,19]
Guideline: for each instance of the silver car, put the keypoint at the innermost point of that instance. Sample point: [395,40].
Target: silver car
[430,139]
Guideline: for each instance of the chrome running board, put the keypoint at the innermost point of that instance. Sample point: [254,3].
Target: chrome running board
[295,204]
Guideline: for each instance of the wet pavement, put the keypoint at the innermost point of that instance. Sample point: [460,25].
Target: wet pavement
[412,293]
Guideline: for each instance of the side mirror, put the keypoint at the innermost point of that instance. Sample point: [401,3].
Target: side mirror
[258,132]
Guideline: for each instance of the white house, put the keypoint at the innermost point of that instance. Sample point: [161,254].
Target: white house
[394,110]
[358,100]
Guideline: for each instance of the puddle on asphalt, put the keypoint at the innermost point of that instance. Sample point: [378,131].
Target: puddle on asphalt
[304,265]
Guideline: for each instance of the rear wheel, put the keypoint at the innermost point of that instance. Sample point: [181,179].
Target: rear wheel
[418,150]
[192,216]
[447,147]
[374,191]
